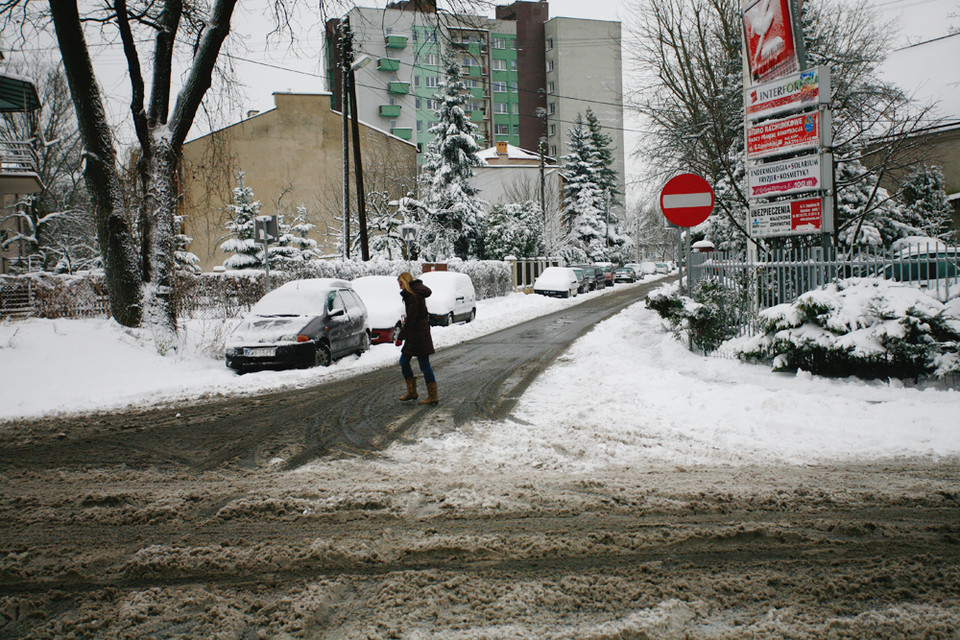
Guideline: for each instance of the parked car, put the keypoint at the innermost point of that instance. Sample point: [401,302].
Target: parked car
[933,268]
[583,286]
[624,274]
[663,267]
[649,268]
[637,268]
[607,268]
[300,324]
[453,298]
[593,275]
[381,297]
[560,282]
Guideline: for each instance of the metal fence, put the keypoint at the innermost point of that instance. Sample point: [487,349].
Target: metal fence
[526,270]
[781,276]
[17,157]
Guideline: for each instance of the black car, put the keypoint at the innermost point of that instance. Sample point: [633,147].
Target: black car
[300,324]
[593,275]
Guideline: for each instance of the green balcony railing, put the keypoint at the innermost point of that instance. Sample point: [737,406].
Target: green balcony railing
[388,64]
[399,87]
[403,132]
[389,110]
[395,42]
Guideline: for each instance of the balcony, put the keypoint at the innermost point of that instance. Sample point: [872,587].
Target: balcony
[399,87]
[19,168]
[402,132]
[388,64]
[395,42]
[389,110]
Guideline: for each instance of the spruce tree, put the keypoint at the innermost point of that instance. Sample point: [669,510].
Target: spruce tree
[926,201]
[514,229]
[454,226]
[247,254]
[583,199]
[608,180]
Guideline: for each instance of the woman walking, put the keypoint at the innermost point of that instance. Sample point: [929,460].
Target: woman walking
[415,336]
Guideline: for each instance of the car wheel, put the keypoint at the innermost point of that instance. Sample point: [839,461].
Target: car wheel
[396,333]
[323,357]
[448,320]
[473,315]
[364,343]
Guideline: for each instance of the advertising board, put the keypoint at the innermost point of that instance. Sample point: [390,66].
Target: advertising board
[796,175]
[794,92]
[802,132]
[769,38]
[791,217]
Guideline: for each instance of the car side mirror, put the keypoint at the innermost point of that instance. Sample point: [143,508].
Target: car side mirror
[335,313]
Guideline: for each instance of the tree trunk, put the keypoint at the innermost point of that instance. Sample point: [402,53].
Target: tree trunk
[159,208]
[117,240]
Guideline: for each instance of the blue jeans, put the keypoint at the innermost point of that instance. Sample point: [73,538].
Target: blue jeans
[425,368]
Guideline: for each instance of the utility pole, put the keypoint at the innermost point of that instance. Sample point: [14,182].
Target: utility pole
[543,189]
[345,49]
[358,166]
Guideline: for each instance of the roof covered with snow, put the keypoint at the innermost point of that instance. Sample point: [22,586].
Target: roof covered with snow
[922,71]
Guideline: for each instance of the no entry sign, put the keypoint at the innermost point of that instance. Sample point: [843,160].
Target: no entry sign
[686,200]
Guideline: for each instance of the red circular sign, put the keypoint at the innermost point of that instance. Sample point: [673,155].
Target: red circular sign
[686,200]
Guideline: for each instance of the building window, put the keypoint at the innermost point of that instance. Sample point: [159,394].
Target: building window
[430,36]
[551,87]
[431,81]
[553,129]
[499,65]
[549,65]
[516,108]
[499,43]
[549,44]
[500,87]
[419,125]
[502,129]
[516,129]
[553,150]
[513,87]
[513,65]
[431,59]
[416,81]
[552,108]
[417,103]
[500,107]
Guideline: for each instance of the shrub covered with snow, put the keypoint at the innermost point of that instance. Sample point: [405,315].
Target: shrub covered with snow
[709,316]
[865,327]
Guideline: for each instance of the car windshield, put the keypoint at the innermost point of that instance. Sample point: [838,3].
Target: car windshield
[289,303]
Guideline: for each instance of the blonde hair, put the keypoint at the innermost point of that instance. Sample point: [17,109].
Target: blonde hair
[405,279]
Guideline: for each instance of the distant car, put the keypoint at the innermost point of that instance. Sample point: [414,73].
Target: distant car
[637,268]
[300,324]
[582,285]
[933,268]
[560,282]
[649,268]
[607,268]
[663,267]
[453,298]
[381,297]
[593,275]
[624,274]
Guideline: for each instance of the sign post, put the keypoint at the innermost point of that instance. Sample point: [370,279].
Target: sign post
[266,230]
[686,201]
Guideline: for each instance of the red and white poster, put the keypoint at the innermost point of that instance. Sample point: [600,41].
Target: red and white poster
[796,175]
[787,135]
[792,217]
[769,38]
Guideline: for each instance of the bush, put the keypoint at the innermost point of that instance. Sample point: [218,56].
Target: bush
[710,315]
[865,327]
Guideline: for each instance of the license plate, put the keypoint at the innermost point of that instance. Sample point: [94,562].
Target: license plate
[260,352]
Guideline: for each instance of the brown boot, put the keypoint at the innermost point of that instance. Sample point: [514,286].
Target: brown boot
[432,397]
[411,393]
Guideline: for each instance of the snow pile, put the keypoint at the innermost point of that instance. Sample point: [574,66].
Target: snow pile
[861,326]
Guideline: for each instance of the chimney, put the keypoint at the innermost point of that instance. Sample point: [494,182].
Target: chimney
[501,148]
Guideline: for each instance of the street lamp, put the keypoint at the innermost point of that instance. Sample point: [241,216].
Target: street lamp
[408,232]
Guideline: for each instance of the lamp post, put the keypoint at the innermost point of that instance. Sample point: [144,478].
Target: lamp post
[408,232]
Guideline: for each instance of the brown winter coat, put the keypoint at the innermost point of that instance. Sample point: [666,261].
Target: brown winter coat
[415,332]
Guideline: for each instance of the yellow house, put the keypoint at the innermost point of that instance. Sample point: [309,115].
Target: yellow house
[291,157]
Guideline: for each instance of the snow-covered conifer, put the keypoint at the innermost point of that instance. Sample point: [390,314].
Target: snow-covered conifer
[247,254]
[514,229]
[583,199]
[184,260]
[454,226]
[926,201]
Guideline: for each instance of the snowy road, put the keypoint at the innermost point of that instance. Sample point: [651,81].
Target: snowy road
[476,525]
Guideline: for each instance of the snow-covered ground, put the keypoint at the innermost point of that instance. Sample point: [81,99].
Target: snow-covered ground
[658,403]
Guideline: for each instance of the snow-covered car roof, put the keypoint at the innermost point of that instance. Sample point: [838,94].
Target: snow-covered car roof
[298,297]
[381,296]
[555,279]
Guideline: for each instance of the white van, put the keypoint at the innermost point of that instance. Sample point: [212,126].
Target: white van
[453,298]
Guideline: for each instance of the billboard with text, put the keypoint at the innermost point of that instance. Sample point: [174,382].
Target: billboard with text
[770,40]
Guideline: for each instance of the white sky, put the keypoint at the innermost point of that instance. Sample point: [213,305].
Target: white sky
[663,406]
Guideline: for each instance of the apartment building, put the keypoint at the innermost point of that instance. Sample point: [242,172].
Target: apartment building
[527,75]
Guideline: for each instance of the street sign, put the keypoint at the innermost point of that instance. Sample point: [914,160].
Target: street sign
[686,200]
[803,132]
[796,175]
[265,229]
[791,217]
